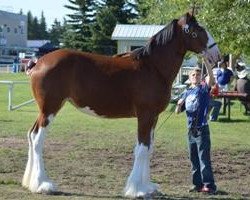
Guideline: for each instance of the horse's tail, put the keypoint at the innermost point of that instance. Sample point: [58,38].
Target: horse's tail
[30,65]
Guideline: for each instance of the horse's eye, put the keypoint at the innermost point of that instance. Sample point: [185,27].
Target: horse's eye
[194,35]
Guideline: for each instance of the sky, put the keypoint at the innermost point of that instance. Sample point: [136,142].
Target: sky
[53,9]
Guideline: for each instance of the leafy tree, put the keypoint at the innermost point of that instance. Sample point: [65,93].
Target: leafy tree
[227,20]
[229,23]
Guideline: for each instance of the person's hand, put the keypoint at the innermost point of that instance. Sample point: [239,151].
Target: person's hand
[178,106]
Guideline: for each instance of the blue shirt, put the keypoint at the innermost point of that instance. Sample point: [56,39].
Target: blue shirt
[223,77]
[196,104]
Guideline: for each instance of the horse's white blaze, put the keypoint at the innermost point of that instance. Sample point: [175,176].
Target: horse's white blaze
[138,183]
[212,54]
[35,176]
[89,111]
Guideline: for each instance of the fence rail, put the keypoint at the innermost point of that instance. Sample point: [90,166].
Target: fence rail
[7,68]
[11,85]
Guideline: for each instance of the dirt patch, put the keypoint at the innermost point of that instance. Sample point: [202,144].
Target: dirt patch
[83,169]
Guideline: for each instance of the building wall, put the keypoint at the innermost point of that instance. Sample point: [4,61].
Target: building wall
[13,30]
[126,45]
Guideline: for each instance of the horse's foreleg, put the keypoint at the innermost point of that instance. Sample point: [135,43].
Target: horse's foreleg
[138,183]
[38,180]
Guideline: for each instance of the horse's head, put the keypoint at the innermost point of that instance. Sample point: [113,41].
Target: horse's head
[197,39]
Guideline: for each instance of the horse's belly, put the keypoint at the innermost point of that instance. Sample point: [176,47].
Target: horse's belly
[107,111]
[89,111]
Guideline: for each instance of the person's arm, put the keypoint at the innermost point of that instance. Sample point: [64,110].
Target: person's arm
[210,76]
[179,105]
[180,102]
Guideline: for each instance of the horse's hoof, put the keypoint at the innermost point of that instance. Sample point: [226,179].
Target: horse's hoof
[47,188]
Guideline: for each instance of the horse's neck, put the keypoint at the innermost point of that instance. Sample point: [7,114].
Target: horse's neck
[169,60]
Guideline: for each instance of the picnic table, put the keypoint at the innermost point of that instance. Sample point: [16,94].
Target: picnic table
[227,97]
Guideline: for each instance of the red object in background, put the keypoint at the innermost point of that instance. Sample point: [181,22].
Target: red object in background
[215,90]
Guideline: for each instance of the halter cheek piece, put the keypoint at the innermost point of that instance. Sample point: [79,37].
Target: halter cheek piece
[194,35]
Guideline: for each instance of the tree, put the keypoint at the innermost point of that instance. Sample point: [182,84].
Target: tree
[56,32]
[43,34]
[36,28]
[102,31]
[229,23]
[78,32]
[109,13]
[227,20]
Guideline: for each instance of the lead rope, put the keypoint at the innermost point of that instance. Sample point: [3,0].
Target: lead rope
[158,128]
[202,75]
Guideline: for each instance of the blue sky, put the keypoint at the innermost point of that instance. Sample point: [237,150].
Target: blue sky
[52,8]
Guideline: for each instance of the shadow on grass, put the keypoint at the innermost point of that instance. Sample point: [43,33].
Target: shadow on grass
[159,196]
[226,120]
[7,120]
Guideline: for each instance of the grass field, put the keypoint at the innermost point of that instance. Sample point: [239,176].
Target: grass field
[90,158]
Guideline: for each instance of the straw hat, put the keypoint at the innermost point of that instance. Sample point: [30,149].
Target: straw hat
[241,70]
[242,74]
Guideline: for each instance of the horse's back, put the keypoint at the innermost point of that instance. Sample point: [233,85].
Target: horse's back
[102,83]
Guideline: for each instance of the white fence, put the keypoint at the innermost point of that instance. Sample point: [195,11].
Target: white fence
[7,68]
[11,85]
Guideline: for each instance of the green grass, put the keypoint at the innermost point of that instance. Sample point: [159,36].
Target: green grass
[88,155]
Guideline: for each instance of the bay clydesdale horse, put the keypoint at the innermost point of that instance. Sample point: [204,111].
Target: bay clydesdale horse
[137,84]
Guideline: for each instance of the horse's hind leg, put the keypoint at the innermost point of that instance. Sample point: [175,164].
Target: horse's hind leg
[138,183]
[28,169]
[35,177]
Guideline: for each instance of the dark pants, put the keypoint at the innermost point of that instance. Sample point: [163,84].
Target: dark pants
[214,106]
[199,154]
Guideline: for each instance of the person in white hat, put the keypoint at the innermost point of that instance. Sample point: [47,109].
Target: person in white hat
[243,84]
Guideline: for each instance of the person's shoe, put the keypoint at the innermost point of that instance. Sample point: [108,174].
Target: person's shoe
[207,190]
[195,189]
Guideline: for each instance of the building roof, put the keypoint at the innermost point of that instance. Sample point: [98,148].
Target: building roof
[14,16]
[36,43]
[135,32]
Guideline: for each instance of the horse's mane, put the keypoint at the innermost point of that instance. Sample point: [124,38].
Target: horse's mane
[159,39]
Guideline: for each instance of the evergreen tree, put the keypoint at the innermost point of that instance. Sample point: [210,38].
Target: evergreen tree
[102,31]
[43,34]
[37,28]
[30,25]
[110,13]
[56,32]
[78,32]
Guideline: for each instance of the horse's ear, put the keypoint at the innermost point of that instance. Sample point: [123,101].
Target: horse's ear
[183,20]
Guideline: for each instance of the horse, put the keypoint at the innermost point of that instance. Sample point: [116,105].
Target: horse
[136,84]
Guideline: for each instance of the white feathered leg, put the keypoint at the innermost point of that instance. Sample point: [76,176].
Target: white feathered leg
[27,173]
[138,183]
[39,182]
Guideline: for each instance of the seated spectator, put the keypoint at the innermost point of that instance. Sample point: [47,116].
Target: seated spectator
[224,75]
[243,84]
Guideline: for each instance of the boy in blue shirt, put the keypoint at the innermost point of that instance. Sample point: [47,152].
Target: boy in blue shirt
[196,99]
